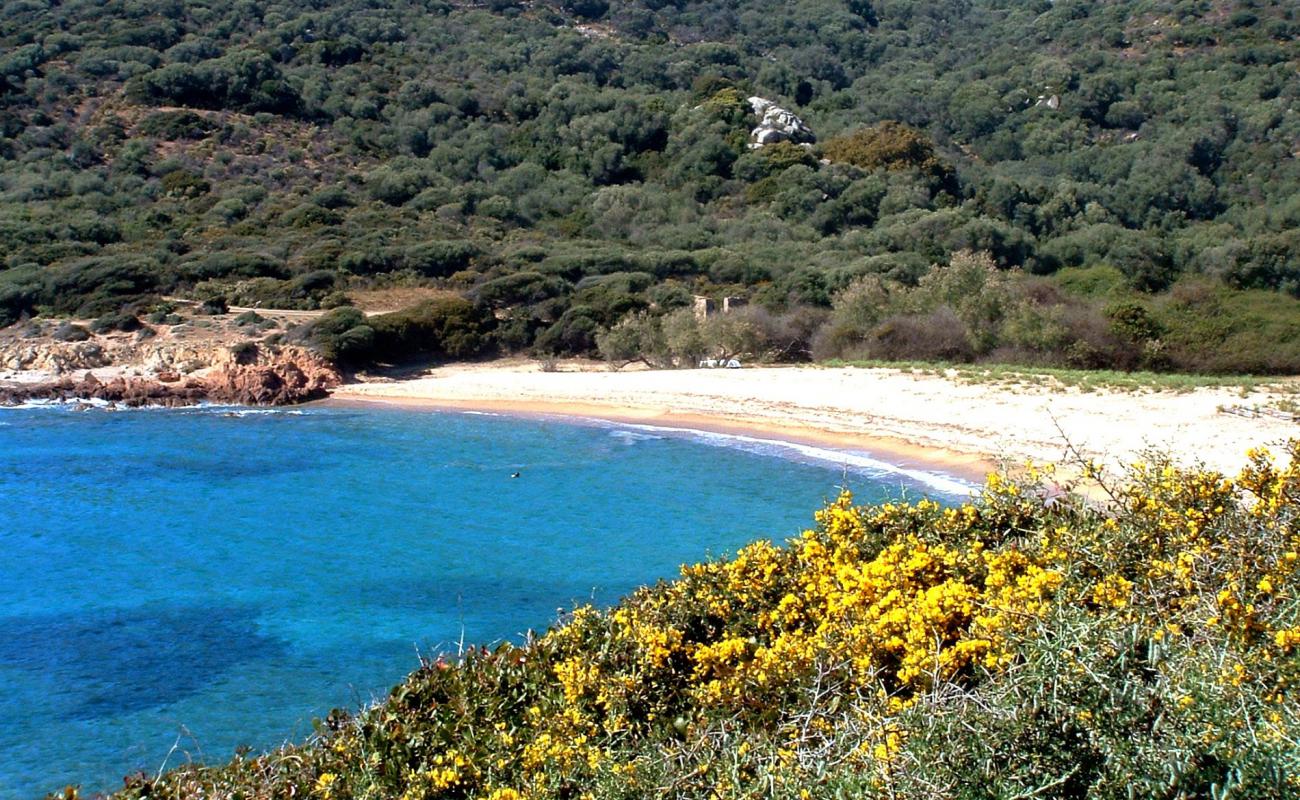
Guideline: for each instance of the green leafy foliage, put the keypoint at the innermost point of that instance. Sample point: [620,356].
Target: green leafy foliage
[510,151]
[244,80]
[889,145]
[439,329]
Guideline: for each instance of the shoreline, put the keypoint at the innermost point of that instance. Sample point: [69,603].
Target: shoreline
[900,456]
[930,422]
[934,422]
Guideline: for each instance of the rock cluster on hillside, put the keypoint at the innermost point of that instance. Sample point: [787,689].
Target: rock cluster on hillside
[777,125]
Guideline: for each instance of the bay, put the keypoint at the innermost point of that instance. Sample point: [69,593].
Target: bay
[178,583]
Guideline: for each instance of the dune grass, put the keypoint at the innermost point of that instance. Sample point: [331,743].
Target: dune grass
[1081,379]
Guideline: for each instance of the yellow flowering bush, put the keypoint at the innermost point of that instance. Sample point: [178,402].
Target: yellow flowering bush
[1028,642]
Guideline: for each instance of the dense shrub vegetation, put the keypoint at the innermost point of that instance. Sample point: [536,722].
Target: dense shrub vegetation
[445,328]
[569,165]
[1026,643]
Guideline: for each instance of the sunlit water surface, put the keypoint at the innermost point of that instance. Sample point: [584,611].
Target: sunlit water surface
[186,582]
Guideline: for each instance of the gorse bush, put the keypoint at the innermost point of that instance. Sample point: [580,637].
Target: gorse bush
[172,125]
[1025,643]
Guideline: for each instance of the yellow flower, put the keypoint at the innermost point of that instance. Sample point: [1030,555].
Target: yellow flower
[1114,591]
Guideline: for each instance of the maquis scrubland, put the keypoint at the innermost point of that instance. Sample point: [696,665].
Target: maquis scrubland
[1085,184]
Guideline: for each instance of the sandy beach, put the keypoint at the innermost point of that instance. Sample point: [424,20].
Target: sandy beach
[926,420]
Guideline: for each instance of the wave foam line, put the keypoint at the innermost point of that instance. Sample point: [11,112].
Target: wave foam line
[936,481]
[46,402]
[244,411]
[203,407]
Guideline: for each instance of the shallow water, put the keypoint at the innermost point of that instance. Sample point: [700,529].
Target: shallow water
[185,582]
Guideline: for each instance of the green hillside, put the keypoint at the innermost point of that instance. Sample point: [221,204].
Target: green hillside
[1129,168]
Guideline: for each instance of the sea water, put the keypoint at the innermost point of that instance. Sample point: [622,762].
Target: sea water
[179,583]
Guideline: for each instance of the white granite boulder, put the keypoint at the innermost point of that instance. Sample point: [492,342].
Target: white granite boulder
[777,125]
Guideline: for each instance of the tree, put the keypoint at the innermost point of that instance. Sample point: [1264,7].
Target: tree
[684,337]
[445,327]
[889,145]
[637,337]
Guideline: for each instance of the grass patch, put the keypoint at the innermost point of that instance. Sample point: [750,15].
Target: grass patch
[1082,379]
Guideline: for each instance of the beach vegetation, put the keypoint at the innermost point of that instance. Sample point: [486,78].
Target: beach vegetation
[123,321]
[682,339]
[440,328]
[1086,380]
[1025,642]
[70,332]
[972,311]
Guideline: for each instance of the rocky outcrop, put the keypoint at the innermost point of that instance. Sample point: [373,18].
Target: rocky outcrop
[57,358]
[43,354]
[250,376]
[180,357]
[129,392]
[282,377]
[777,125]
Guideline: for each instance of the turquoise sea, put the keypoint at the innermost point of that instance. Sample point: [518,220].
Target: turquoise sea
[177,583]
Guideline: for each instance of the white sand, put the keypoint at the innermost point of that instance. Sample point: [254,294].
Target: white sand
[963,426]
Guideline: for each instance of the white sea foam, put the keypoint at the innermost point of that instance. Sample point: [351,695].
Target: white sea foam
[234,410]
[632,437]
[240,411]
[46,402]
[857,461]
[481,414]
[100,404]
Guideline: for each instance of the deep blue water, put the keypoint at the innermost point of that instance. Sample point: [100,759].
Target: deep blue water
[191,581]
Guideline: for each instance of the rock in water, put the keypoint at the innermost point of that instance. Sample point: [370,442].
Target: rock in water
[777,125]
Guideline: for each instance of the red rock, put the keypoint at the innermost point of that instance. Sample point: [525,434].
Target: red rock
[277,377]
[283,377]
